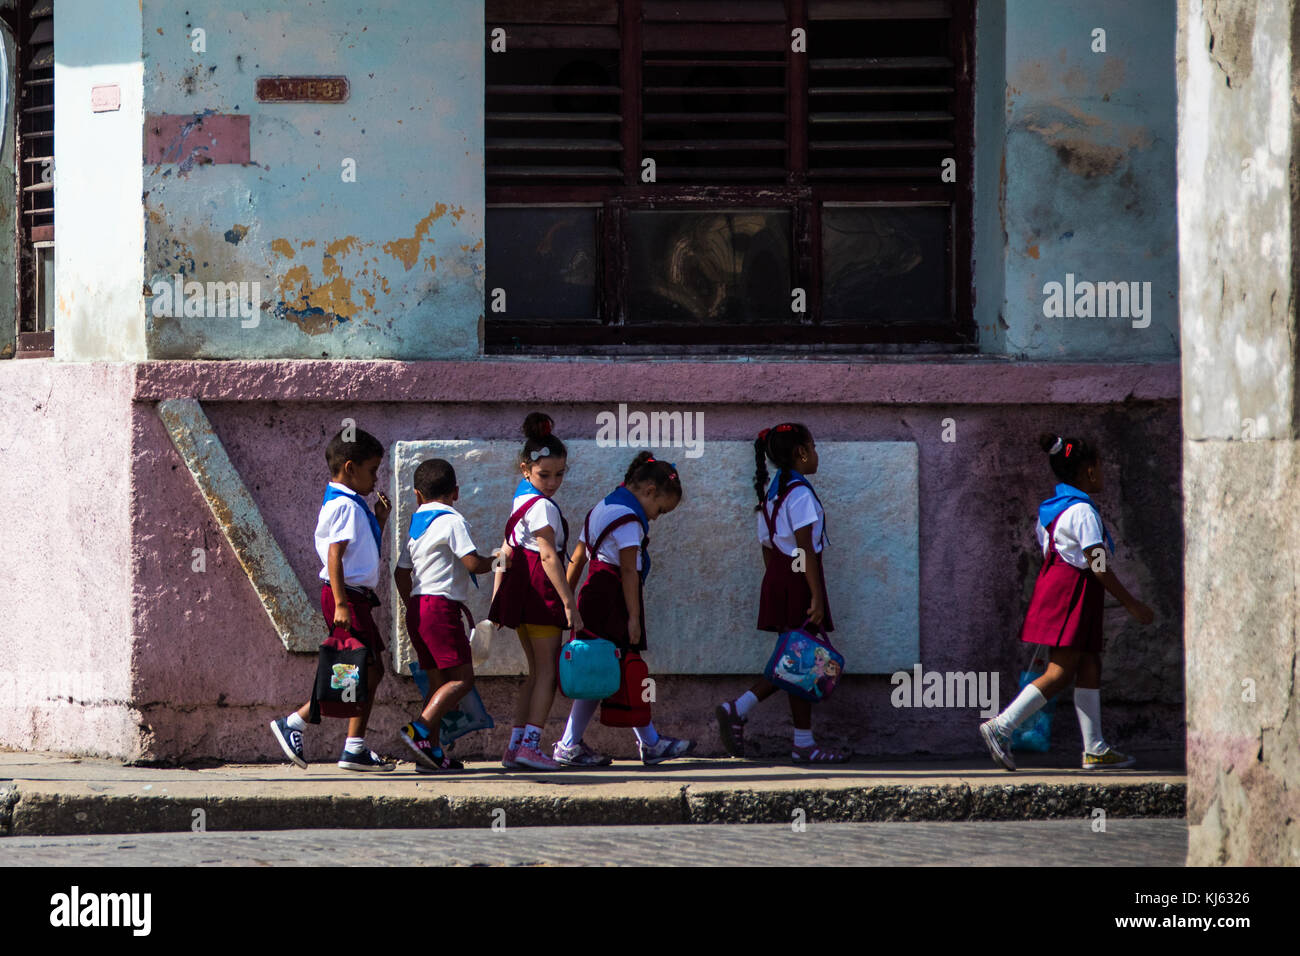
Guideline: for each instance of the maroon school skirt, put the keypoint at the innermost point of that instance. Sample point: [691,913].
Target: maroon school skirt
[1066,609]
[603,607]
[526,595]
[785,597]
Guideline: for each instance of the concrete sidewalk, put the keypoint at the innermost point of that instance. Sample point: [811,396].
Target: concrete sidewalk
[51,794]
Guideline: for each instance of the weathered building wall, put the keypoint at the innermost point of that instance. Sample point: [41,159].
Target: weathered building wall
[65,472]
[1074,177]
[237,190]
[214,671]
[1238,180]
[98,253]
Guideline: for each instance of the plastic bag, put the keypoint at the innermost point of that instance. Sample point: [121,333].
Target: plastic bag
[480,642]
[1035,734]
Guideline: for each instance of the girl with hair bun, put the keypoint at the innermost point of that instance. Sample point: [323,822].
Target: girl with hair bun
[1065,611]
[790,519]
[532,595]
[612,601]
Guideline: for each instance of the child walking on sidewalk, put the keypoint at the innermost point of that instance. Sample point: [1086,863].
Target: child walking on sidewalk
[612,601]
[348,535]
[1065,611]
[532,595]
[433,578]
[790,518]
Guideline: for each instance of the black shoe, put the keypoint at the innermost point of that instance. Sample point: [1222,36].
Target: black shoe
[290,741]
[366,760]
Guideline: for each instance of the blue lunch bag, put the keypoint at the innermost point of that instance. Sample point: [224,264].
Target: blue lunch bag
[589,669]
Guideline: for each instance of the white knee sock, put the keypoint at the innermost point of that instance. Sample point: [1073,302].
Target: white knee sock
[647,734]
[744,703]
[1027,703]
[580,715]
[1087,705]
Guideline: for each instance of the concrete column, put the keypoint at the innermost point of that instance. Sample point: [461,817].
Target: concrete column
[1238,186]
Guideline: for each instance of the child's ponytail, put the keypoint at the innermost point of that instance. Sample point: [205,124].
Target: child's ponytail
[662,474]
[760,468]
[1067,456]
[778,444]
[539,442]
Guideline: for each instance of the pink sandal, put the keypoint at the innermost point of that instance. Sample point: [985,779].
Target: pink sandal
[815,754]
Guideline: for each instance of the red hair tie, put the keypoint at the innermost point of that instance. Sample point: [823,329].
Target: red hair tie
[785,428]
[1067,449]
[546,426]
[650,459]
[762,436]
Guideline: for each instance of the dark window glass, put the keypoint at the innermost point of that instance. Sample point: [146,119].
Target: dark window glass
[885,264]
[545,259]
[709,268]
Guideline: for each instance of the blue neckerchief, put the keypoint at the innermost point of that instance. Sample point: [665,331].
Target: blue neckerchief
[795,476]
[526,487]
[1067,496]
[621,496]
[331,493]
[420,522]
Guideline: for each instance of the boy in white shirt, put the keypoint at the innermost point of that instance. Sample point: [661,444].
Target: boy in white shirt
[348,535]
[433,579]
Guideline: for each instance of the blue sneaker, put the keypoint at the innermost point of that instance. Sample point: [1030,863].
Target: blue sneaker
[367,760]
[290,741]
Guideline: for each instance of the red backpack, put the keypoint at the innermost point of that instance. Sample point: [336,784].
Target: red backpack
[626,707]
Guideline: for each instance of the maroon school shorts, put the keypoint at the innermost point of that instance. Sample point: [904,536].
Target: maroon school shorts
[360,602]
[436,626]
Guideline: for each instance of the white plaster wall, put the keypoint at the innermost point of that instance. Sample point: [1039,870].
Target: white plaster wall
[98,180]
[702,594]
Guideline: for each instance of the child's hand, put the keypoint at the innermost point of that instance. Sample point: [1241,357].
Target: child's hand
[342,615]
[817,611]
[575,619]
[1141,612]
[382,508]
[634,632]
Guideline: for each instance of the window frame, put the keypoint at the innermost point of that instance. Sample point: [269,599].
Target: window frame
[802,195]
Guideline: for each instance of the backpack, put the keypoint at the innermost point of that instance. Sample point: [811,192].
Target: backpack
[626,707]
[589,668]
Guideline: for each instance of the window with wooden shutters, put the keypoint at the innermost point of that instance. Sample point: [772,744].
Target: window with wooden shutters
[669,175]
[35,104]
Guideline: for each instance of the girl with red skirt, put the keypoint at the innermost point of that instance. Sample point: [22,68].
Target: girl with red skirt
[532,595]
[612,601]
[1065,611]
[790,518]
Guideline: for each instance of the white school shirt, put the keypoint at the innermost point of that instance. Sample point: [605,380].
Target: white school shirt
[799,510]
[435,556]
[626,536]
[543,514]
[1078,529]
[342,519]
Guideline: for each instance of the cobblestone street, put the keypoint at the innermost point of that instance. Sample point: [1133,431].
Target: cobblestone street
[1071,843]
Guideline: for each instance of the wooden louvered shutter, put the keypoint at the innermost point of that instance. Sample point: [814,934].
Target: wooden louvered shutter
[554,97]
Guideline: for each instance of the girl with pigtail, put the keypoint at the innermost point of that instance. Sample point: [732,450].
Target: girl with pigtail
[612,604]
[532,595]
[790,519]
[1065,612]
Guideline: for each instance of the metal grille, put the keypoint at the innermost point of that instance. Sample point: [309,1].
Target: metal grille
[35,102]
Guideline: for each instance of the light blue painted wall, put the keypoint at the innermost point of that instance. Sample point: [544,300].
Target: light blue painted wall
[1090,173]
[387,267]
